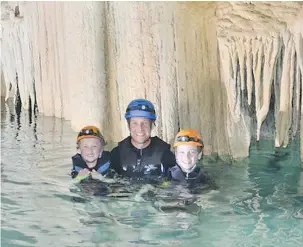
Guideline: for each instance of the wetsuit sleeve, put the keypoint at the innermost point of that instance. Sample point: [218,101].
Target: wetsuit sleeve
[168,159]
[208,179]
[115,160]
[77,165]
[74,172]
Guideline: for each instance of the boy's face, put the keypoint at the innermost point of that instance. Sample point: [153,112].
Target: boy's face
[90,149]
[187,156]
[140,129]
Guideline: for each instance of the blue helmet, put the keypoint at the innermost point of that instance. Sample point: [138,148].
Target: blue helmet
[140,108]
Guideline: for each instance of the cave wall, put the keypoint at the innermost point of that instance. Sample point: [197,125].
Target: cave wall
[220,67]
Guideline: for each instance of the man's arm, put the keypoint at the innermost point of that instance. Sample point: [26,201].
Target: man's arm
[168,160]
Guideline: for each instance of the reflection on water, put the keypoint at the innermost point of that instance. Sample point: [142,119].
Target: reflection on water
[259,202]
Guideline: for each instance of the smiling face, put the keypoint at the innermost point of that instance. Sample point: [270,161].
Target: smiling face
[90,150]
[140,131]
[187,156]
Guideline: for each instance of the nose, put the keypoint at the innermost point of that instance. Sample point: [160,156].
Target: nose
[188,156]
[141,127]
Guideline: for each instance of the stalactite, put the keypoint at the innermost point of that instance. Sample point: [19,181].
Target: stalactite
[274,57]
[296,101]
[301,124]
[227,75]
[271,48]
[298,41]
[166,53]
[241,56]
[258,76]
[232,48]
[288,120]
[277,83]
[249,79]
[284,91]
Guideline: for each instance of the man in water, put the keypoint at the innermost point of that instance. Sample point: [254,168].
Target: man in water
[140,156]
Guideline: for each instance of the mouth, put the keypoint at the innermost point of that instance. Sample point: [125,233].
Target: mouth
[140,135]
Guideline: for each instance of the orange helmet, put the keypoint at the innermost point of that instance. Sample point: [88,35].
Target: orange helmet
[188,137]
[90,132]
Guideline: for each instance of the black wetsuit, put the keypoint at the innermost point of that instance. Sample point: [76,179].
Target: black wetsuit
[150,163]
[102,166]
[193,179]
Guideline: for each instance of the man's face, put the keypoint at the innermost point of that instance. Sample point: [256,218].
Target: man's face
[140,129]
[187,156]
[90,149]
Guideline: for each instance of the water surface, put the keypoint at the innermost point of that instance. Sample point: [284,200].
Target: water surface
[259,202]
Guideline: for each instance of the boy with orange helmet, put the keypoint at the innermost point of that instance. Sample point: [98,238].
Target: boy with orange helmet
[90,159]
[188,151]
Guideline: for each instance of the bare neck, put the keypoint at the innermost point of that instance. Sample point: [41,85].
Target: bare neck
[91,164]
[140,145]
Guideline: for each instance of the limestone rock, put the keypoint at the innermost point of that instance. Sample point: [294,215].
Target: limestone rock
[232,70]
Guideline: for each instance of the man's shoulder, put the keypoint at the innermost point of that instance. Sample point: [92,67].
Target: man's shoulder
[122,143]
[125,140]
[115,150]
[155,140]
[105,155]
[174,168]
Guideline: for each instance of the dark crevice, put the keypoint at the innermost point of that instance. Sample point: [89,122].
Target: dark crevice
[18,106]
[17,11]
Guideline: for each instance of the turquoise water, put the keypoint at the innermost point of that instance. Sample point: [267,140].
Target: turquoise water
[259,202]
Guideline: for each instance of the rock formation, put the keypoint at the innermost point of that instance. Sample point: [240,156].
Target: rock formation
[233,70]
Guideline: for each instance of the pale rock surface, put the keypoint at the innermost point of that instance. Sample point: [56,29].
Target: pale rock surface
[233,70]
